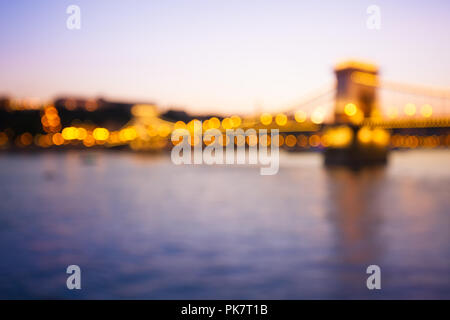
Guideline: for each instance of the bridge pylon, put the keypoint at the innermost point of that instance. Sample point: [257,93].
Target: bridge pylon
[356,101]
[356,86]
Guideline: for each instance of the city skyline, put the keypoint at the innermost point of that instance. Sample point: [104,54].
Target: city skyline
[221,57]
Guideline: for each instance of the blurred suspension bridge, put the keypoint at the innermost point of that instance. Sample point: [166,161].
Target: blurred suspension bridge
[381,113]
[357,111]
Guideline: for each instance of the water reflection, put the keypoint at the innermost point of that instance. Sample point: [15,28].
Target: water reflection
[355,196]
[141,227]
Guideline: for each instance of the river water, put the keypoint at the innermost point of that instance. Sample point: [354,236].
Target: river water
[140,227]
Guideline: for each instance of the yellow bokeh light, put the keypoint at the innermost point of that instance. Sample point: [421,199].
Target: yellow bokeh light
[26,139]
[302,141]
[300,116]
[281,119]
[195,126]
[45,141]
[291,140]
[325,140]
[318,116]
[365,135]
[50,110]
[227,123]
[314,140]
[339,137]
[70,133]
[128,134]
[426,110]
[89,141]
[101,134]
[236,121]
[214,123]
[81,133]
[410,109]
[380,137]
[205,125]
[350,109]
[266,119]
[58,139]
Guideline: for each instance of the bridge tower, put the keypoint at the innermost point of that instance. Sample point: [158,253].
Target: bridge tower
[358,143]
[357,85]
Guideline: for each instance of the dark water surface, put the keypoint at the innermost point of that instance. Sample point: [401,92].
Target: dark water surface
[140,227]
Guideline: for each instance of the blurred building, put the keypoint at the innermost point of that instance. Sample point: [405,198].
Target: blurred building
[99,112]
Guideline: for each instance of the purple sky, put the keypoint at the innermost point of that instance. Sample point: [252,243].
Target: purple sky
[226,56]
